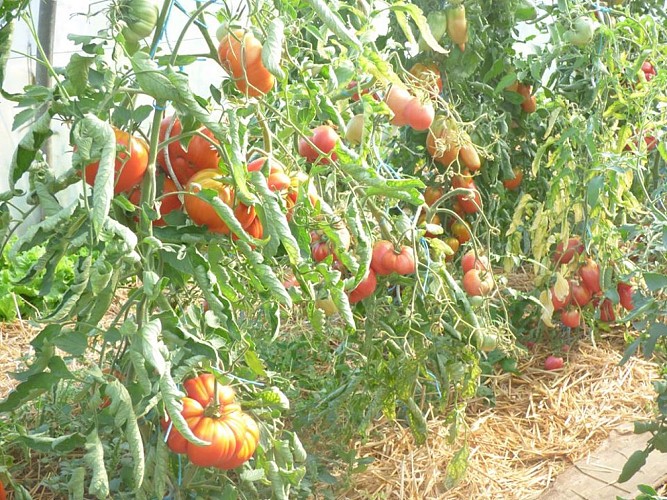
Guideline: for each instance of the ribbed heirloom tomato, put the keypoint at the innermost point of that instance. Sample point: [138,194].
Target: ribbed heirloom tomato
[232,434]
[140,17]
[387,260]
[240,53]
[130,166]
[201,153]
[200,211]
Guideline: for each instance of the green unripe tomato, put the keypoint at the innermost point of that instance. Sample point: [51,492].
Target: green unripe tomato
[141,17]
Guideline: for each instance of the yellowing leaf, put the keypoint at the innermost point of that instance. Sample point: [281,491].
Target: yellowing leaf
[562,287]
[547,308]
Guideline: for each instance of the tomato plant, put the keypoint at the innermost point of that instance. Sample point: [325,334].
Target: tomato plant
[129,166]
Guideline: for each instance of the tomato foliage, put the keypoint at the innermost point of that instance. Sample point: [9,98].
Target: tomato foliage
[309,165]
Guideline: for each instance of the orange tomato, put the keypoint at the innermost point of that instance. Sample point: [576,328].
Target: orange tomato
[240,53]
[201,154]
[200,211]
[130,166]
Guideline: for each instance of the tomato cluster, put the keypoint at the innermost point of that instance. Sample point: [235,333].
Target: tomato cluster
[213,415]
[240,53]
[388,259]
[570,297]
[409,109]
[477,277]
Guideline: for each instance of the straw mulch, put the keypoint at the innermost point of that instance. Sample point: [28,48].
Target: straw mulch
[542,423]
[15,340]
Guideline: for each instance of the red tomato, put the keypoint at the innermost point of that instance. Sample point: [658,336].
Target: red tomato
[560,303]
[324,138]
[364,289]
[471,261]
[3,493]
[590,276]
[418,115]
[278,179]
[607,313]
[564,255]
[397,98]
[201,153]
[240,53]
[201,212]
[130,166]
[221,422]
[355,97]
[387,260]
[625,294]
[553,363]
[433,194]
[469,158]
[570,318]
[514,183]
[580,294]
[454,245]
[168,202]
[463,180]
[477,283]
[472,203]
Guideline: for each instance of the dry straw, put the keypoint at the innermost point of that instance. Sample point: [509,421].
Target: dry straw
[542,422]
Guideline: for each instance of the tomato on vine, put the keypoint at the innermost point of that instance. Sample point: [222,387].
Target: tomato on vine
[201,153]
[130,166]
[232,434]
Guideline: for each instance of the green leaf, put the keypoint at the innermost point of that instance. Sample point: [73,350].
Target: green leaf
[151,345]
[252,475]
[655,281]
[29,147]
[76,486]
[456,468]
[266,275]
[77,72]
[659,441]
[655,332]
[594,189]
[636,461]
[274,218]
[121,407]
[161,469]
[273,47]
[298,450]
[334,23]
[74,293]
[6,34]
[505,82]
[254,363]
[96,139]
[418,424]
[420,20]
[94,458]
[46,444]
[172,403]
